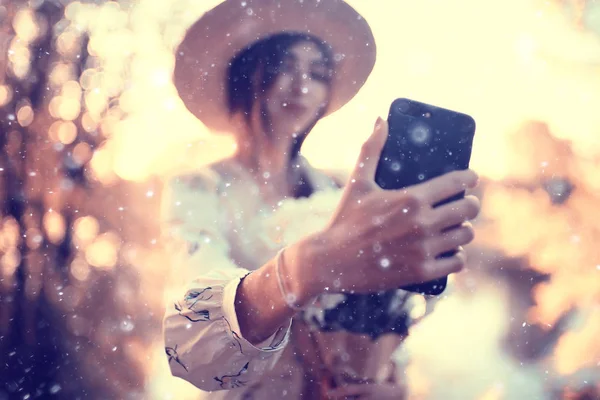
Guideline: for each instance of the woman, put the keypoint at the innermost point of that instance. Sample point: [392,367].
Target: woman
[280,67]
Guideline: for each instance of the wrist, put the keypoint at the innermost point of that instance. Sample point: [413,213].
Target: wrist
[301,270]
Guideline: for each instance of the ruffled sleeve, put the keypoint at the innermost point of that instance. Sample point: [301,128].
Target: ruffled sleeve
[201,332]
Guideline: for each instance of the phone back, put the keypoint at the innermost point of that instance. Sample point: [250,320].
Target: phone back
[424,142]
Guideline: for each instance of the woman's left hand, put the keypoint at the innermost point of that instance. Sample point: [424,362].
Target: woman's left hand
[368,391]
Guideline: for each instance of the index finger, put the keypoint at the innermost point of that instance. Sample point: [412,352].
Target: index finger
[371,150]
[445,186]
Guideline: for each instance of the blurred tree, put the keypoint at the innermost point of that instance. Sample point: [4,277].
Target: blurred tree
[68,292]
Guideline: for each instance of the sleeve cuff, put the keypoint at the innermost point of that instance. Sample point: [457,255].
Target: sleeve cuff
[277,341]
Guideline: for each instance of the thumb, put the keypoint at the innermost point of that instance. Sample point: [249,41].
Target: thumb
[366,165]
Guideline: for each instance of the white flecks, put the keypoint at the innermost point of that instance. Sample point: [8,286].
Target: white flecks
[377,248]
[55,388]
[377,221]
[420,134]
[127,325]
[291,298]
[385,263]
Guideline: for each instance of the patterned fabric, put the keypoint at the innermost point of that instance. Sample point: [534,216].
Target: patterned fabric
[217,231]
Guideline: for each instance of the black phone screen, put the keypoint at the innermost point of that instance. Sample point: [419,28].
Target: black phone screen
[424,142]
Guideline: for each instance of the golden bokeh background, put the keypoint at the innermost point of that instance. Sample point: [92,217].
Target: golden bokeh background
[528,71]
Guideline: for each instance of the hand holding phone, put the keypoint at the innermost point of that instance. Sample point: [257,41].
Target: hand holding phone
[424,142]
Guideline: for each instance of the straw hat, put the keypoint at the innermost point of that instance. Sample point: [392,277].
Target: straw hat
[209,45]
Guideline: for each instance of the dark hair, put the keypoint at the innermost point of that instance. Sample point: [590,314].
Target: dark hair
[253,71]
[262,60]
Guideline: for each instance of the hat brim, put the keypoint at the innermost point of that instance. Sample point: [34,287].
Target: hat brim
[202,58]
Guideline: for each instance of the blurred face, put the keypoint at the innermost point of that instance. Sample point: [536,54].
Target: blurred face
[300,91]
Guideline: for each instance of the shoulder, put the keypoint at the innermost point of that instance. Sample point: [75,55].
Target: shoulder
[324,178]
[205,180]
[190,194]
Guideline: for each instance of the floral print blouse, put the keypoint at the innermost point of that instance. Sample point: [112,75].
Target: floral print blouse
[217,230]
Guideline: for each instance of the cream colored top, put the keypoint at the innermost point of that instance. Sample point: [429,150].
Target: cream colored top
[218,229]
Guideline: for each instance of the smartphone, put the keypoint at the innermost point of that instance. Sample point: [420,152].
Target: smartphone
[424,142]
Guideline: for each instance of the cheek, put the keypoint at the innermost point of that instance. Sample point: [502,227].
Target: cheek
[280,87]
[319,92]
[272,104]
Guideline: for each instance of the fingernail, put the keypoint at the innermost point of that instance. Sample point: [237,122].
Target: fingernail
[378,123]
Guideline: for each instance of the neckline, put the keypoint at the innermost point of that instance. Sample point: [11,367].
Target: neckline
[233,170]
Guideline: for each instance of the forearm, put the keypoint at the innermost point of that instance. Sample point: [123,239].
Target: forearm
[260,306]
